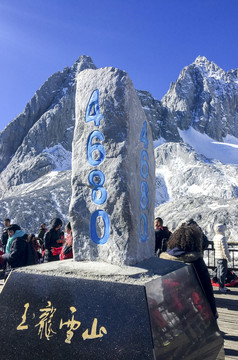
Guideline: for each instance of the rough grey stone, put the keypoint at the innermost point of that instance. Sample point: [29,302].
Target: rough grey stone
[121,127]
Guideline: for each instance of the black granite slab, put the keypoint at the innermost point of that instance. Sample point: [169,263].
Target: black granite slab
[46,317]
[182,322]
[159,266]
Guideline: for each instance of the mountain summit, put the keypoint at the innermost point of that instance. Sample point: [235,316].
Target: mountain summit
[204,97]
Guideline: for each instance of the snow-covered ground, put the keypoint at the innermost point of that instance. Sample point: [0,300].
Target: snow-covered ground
[226,152]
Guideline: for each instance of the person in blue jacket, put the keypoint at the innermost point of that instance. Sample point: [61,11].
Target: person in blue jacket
[15,255]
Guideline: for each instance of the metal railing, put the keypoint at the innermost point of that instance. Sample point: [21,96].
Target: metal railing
[209,256]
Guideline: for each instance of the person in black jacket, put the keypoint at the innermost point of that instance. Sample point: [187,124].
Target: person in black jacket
[185,244]
[41,233]
[52,240]
[162,235]
[16,255]
[4,236]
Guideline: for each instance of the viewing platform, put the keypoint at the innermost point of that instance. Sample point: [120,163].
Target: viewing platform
[227,307]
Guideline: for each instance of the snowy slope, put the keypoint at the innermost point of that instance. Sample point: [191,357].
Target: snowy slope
[226,151]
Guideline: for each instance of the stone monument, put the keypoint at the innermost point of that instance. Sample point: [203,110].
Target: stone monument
[113,171]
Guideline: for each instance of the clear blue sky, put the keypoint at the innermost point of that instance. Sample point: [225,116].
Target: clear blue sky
[151,39]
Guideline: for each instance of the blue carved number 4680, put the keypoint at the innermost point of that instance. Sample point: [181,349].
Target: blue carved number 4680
[92,110]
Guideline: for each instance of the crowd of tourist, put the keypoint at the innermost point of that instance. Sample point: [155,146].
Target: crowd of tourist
[20,249]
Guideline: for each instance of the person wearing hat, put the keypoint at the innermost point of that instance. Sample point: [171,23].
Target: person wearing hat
[15,255]
[222,255]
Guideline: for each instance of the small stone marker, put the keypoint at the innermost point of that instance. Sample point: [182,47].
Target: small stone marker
[113,171]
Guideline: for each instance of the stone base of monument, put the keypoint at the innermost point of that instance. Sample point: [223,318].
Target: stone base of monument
[94,310]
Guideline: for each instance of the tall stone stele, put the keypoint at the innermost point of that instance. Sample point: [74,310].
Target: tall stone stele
[113,171]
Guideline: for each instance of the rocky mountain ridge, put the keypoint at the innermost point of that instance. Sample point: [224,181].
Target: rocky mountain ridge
[205,97]
[35,168]
[188,185]
[45,129]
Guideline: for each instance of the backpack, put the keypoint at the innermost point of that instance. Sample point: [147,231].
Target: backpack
[231,278]
[31,255]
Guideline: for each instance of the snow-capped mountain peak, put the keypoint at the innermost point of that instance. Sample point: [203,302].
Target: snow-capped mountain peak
[204,97]
[209,69]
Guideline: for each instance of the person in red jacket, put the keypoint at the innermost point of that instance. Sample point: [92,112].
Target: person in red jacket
[67,249]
